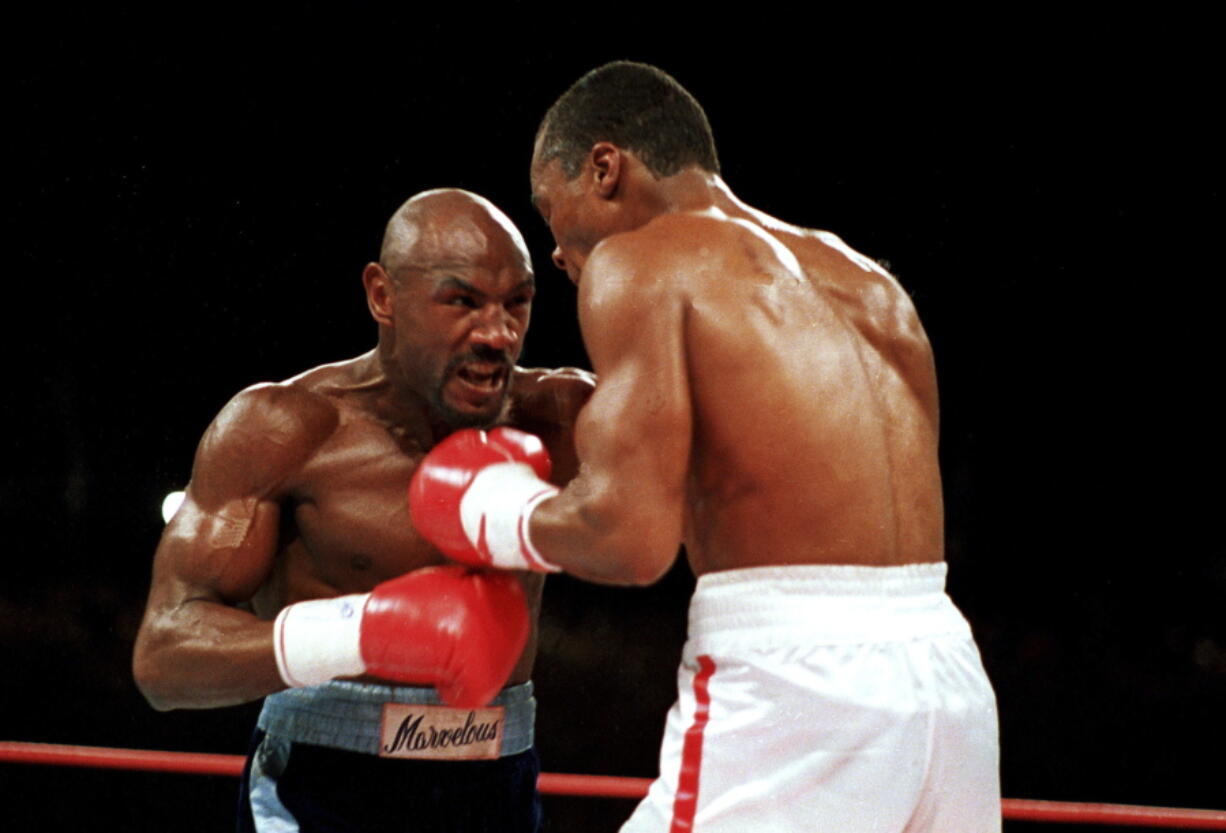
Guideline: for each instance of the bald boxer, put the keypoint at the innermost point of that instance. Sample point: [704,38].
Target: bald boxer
[767,396]
[397,685]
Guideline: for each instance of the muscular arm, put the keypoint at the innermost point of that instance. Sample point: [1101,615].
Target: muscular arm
[196,648]
[620,520]
[549,406]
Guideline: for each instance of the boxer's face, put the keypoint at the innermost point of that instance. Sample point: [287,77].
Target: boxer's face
[461,312]
[563,205]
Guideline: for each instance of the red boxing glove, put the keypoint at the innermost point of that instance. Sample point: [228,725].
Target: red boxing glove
[461,630]
[473,494]
[458,630]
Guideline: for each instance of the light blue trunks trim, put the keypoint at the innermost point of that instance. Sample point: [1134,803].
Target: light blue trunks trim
[347,715]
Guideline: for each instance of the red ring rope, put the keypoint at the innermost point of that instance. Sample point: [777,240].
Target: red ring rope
[203,763]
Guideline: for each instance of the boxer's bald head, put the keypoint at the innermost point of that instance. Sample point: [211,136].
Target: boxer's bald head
[636,107]
[452,295]
[430,227]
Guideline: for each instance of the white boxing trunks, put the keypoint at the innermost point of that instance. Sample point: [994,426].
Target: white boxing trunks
[827,699]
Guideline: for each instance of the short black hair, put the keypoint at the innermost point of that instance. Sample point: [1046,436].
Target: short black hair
[635,106]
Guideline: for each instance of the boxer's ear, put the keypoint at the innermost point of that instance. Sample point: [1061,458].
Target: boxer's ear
[607,165]
[379,293]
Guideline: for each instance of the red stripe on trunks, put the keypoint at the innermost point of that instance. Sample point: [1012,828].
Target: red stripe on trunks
[686,803]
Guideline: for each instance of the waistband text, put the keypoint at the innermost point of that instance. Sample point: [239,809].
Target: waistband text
[440,732]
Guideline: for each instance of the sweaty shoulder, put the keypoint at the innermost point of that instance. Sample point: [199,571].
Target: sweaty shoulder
[860,284]
[259,439]
[547,403]
[871,300]
[550,395]
[679,249]
[849,280]
[678,236]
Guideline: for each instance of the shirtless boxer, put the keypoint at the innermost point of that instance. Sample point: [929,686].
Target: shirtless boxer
[292,561]
[767,396]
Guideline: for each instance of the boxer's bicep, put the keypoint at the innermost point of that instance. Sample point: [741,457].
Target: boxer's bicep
[633,436]
[638,421]
[195,646]
[221,543]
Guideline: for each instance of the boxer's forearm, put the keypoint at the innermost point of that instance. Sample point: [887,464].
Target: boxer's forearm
[608,535]
[203,654]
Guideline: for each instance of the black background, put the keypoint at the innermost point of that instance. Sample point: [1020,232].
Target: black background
[195,196]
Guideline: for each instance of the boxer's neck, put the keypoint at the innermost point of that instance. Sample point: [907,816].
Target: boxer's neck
[694,190]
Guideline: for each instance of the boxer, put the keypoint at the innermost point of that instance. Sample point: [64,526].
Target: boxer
[767,397]
[397,686]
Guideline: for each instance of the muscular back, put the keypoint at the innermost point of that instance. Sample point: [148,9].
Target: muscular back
[815,407]
[810,406]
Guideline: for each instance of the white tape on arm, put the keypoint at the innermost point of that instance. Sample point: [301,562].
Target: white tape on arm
[319,640]
[495,511]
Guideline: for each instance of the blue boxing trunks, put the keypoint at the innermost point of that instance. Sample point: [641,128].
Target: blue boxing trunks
[345,757]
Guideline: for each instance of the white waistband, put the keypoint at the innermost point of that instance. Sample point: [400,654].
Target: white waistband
[833,579]
[825,604]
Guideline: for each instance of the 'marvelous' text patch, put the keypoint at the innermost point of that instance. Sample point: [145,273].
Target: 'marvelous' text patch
[440,732]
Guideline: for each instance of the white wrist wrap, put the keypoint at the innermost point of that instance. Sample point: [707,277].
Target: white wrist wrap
[495,511]
[318,640]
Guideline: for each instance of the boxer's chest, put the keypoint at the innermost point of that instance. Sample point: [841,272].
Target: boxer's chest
[350,517]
